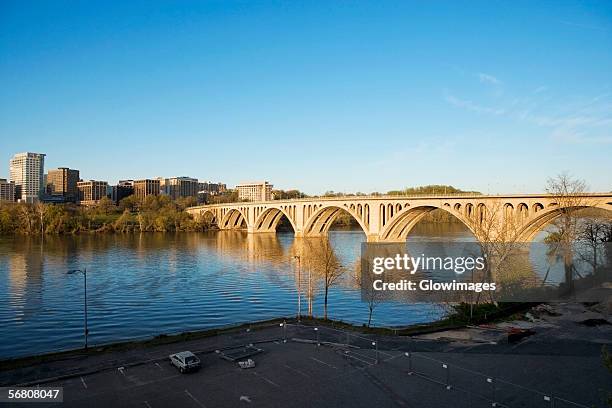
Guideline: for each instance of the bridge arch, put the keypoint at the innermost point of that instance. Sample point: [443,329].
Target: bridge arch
[269,219]
[208,213]
[537,207]
[322,219]
[543,217]
[233,219]
[400,226]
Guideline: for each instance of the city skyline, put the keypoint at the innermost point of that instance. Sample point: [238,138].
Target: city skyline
[237,186]
[345,97]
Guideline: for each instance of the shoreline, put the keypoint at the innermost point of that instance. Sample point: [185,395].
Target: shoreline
[453,321]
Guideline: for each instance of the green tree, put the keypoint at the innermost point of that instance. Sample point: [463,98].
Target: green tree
[106,206]
[130,203]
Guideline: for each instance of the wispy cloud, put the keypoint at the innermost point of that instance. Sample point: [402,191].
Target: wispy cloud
[471,106]
[582,25]
[570,135]
[488,79]
[568,120]
[540,89]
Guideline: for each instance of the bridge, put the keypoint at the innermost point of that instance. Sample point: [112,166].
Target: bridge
[391,218]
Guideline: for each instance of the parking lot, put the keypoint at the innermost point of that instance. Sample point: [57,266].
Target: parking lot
[287,374]
[291,374]
[559,367]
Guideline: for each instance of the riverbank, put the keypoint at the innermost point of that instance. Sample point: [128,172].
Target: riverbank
[455,321]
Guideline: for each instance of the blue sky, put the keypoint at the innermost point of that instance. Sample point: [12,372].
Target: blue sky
[344,96]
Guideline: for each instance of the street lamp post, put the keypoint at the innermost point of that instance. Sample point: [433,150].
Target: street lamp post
[309,293]
[299,287]
[84,272]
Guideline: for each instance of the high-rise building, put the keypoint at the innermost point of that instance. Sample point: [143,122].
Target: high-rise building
[212,188]
[7,190]
[92,191]
[124,188]
[146,187]
[62,182]
[257,191]
[27,172]
[177,187]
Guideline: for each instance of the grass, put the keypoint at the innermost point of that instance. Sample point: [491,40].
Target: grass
[461,317]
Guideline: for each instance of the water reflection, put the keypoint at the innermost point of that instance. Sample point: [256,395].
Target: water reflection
[25,280]
[147,284]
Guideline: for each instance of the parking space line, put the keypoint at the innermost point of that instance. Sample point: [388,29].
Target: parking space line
[83,381]
[297,371]
[393,357]
[354,355]
[147,404]
[269,381]
[195,399]
[158,366]
[323,362]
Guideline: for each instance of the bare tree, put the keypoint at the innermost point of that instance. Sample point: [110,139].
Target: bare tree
[568,195]
[323,262]
[372,297]
[495,228]
[25,217]
[41,210]
[591,236]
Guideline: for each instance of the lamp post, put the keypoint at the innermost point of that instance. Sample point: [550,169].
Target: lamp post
[299,287]
[84,272]
[309,293]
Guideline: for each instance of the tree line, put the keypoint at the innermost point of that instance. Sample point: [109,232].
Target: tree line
[231,196]
[153,214]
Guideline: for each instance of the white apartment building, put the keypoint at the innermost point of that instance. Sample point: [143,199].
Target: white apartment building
[256,191]
[26,170]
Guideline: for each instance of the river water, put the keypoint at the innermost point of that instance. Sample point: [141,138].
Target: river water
[142,285]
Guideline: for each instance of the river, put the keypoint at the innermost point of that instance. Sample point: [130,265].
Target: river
[142,285]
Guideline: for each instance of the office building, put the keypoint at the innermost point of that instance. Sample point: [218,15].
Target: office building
[212,188]
[62,182]
[92,191]
[177,187]
[146,187]
[27,172]
[257,191]
[124,188]
[7,190]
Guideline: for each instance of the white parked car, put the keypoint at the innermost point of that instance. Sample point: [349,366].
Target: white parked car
[185,361]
